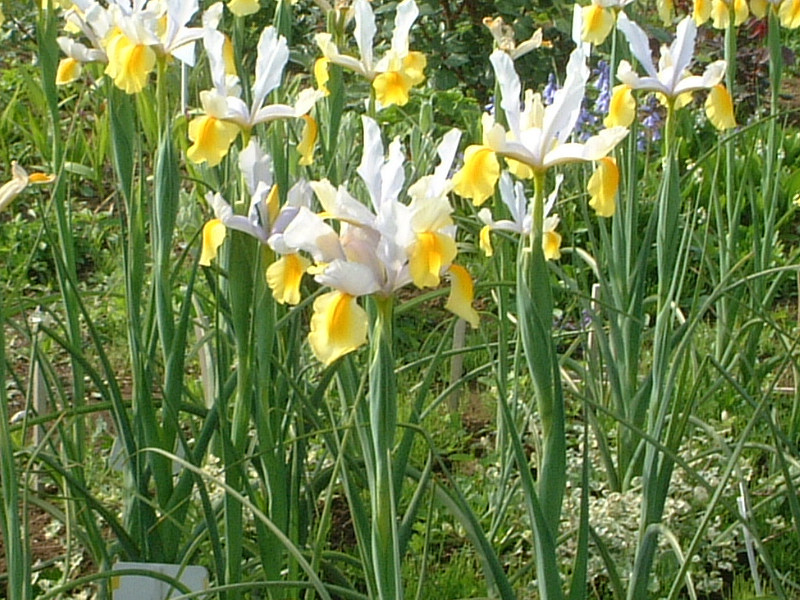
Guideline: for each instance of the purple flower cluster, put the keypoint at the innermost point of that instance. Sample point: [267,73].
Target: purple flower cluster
[652,121]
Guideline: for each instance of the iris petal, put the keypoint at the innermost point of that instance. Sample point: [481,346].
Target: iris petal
[602,187]
[129,63]
[462,292]
[478,176]
[338,326]
[430,253]
[284,277]
[213,236]
[212,138]
[719,108]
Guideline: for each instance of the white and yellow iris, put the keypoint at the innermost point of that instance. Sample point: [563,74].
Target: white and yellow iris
[518,205]
[399,70]
[20,179]
[266,221]
[225,114]
[382,249]
[672,82]
[537,136]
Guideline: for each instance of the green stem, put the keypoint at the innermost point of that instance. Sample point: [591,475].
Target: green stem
[383,423]
[535,313]
[655,479]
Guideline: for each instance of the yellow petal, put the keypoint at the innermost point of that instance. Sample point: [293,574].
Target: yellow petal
[519,169]
[306,145]
[392,87]
[273,204]
[462,292]
[597,23]
[551,245]
[69,69]
[665,10]
[212,138]
[719,108]
[602,187]
[741,11]
[485,240]
[284,277]
[789,13]
[759,8]
[338,326]
[322,75]
[213,236]
[701,11]
[242,8]
[228,56]
[129,63]
[477,178]
[414,67]
[430,253]
[622,108]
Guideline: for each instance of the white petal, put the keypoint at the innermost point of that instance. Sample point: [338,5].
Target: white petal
[407,12]
[365,33]
[638,42]
[509,88]
[352,278]
[273,54]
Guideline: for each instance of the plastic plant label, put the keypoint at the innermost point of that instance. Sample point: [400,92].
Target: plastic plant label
[142,587]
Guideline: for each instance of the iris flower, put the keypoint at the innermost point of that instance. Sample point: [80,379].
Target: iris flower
[400,69]
[672,79]
[788,11]
[225,113]
[503,35]
[513,196]
[131,36]
[18,182]
[719,12]
[599,18]
[383,247]
[537,137]
[266,221]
